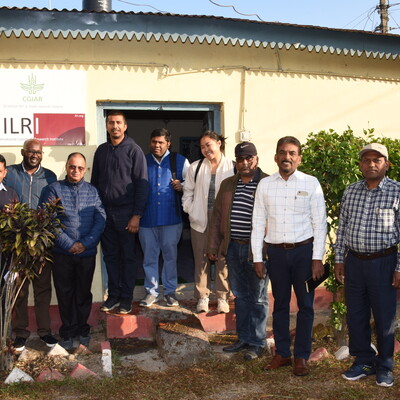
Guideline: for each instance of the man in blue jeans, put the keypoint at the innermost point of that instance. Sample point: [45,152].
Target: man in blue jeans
[368,263]
[161,224]
[231,226]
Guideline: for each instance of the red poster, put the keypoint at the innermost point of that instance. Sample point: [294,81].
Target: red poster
[59,129]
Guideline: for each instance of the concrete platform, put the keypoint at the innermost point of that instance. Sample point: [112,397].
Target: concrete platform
[142,322]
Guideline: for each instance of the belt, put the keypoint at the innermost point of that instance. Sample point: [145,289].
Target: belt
[241,241]
[371,256]
[291,245]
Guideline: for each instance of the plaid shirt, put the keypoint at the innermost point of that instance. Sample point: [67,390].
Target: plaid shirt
[369,219]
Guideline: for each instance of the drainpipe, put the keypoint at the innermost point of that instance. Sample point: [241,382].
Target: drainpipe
[97,5]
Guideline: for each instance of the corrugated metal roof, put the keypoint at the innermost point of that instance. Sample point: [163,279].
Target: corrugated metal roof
[204,29]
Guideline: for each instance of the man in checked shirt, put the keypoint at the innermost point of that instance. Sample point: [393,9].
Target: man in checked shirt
[366,254]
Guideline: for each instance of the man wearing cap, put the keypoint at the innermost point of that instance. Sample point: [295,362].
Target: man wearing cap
[291,204]
[367,262]
[231,226]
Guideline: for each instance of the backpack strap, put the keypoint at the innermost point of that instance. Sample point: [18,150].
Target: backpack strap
[197,169]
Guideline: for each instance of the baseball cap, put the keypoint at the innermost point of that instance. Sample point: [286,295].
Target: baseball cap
[245,149]
[380,148]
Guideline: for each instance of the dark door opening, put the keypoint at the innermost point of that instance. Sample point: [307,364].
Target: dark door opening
[186,123]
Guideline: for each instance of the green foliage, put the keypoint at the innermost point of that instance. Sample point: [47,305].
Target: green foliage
[26,237]
[333,159]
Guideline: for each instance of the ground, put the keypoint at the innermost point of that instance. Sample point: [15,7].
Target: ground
[221,378]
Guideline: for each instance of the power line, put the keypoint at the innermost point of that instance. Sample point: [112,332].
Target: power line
[370,11]
[236,11]
[142,5]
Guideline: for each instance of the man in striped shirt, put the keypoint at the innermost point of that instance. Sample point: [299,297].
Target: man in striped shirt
[291,205]
[231,226]
[366,254]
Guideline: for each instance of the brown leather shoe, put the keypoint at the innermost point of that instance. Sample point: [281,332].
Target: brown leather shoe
[300,367]
[277,362]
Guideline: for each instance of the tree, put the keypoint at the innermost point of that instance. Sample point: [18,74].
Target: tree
[334,160]
[26,237]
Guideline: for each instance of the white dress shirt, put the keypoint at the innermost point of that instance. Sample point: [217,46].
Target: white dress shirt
[289,212]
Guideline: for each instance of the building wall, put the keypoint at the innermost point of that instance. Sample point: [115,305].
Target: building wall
[269,92]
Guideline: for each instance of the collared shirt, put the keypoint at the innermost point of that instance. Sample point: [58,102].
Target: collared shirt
[242,209]
[2,187]
[185,165]
[289,212]
[369,219]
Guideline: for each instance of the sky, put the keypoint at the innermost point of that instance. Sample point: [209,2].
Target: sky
[341,14]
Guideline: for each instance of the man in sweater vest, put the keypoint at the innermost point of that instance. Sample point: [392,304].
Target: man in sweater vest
[161,224]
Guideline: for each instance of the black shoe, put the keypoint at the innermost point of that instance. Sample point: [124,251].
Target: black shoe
[110,304]
[66,343]
[50,340]
[171,300]
[19,343]
[253,352]
[84,340]
[236,347]
[125,307]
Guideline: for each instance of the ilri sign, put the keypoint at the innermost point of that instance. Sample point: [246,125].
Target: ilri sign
[42,104]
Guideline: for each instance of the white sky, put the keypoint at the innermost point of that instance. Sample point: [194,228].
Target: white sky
[342,14]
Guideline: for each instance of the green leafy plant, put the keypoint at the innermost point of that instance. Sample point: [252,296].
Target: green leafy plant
[26,237]
[333,159]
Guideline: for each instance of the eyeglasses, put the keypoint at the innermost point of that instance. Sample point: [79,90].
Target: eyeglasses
[33,152]
[247,158]
[74,167]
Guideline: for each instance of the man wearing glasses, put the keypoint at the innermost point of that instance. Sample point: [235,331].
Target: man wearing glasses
[83,218]
[231,226]
[28,179]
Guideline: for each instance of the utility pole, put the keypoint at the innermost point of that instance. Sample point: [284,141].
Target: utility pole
[383,11]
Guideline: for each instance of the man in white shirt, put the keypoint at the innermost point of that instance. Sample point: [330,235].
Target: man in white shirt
[289,217]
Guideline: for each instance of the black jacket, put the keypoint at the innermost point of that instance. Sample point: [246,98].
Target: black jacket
[120,174]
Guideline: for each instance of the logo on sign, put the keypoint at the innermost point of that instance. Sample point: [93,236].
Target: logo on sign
[32,87]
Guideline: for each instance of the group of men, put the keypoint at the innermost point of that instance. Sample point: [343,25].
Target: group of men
[269,228]
[274,227]
[109,209]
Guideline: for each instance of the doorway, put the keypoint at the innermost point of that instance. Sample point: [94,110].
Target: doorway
[186,122]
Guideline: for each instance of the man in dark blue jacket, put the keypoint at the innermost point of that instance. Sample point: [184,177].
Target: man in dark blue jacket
[28,179]
[120,174]
[75,249]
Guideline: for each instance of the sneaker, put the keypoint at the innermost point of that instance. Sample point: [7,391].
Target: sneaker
[239,345]
[149,300]
[171,300]
[253,352]
[384,377]
[223,306]
[357,371]
[125,307]
[110,304]
[66,343]
[19,343]
[50,340]
[202,305]
[84,340]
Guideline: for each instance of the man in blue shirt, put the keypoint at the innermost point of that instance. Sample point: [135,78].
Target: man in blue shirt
[161,224]
[368,263]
